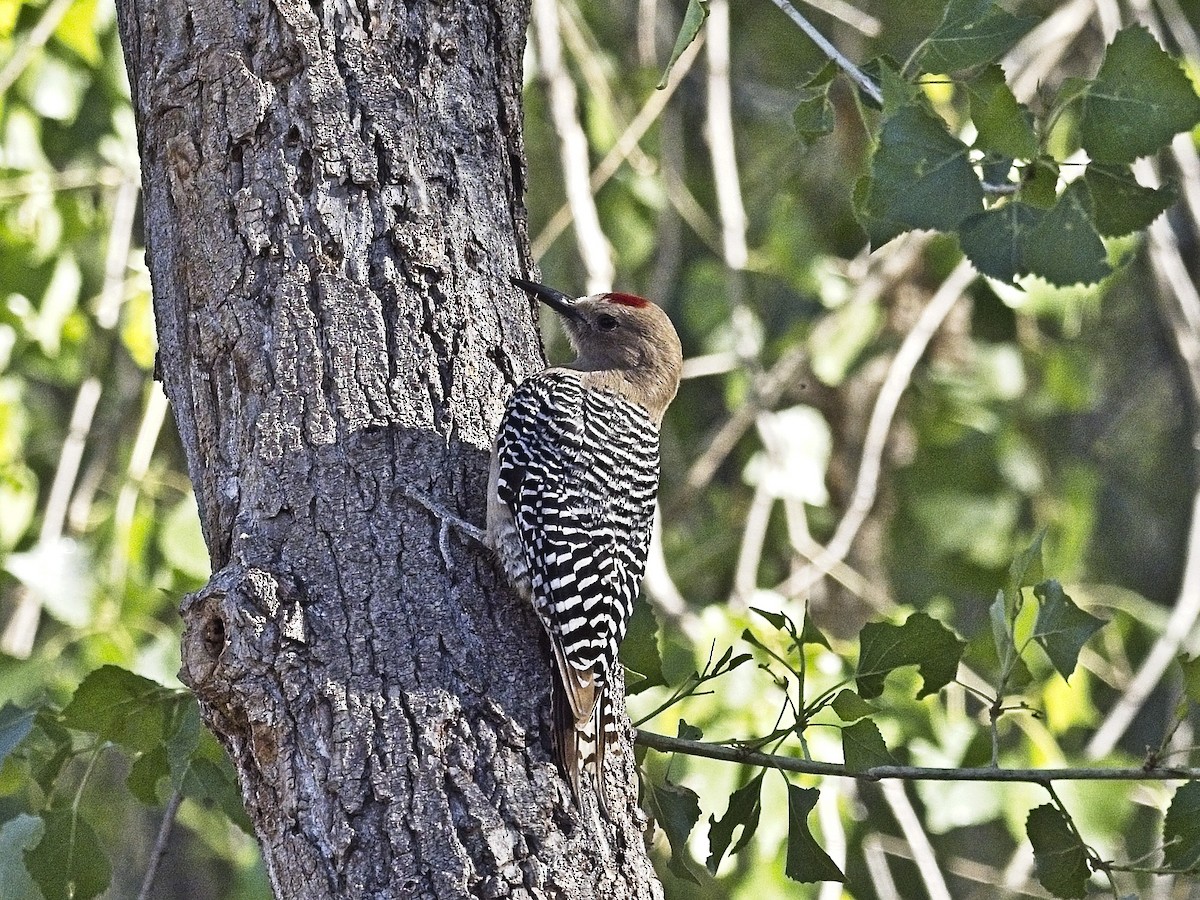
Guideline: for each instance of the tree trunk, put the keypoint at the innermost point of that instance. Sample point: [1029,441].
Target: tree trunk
[333,205]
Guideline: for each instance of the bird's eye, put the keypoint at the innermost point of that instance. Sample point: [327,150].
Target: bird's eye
[606,323]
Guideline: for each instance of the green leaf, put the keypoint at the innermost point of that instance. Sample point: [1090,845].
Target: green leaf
[1062,627]
[1004,126]
[693,21]
[1060,856]
[208,781]
[1120,204]
[15,725]
[863,747]
[920,178]
[745,806]
[182,542]
[1138,101]
[19,834]
[813,116]
[1181,828]
[809,634]
[689,732]
[122,707]
[146,773]
[1064,247]
[993,240]
[1002,636]
[639,651]
[806,861]
[677,809]
[1191,677]
[972,33]
[68,861]
[850,707]
[921,641]
[1025,570]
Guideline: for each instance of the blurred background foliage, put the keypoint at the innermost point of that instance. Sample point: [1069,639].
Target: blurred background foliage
[1069,409]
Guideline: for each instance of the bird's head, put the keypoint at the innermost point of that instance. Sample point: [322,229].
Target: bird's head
[627,340]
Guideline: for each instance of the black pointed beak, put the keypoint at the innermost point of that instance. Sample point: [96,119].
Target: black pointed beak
[556,300]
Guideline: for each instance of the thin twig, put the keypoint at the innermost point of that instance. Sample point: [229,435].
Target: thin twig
[865,84]
[625,144]
[918,840]
[573,150]
[894,384]
[160,844]
[862,22]
[727,753]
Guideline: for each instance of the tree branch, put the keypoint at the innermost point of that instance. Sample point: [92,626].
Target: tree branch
[726,753]
[865,84]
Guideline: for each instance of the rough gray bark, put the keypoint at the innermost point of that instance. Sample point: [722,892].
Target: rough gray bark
[333,203]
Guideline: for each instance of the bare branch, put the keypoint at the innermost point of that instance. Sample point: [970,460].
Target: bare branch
[735,754]
[865,84]
[160,844]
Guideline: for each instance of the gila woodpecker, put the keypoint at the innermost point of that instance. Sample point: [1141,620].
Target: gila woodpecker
[571,495]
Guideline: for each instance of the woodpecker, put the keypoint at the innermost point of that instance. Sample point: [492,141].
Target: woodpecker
[573,481]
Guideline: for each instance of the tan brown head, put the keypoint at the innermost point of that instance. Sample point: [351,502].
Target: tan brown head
[626,342]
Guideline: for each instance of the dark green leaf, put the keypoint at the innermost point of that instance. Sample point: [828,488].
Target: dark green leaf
[1120,204]
[693,21]
[1181,828]
[68,861]
[863,747]
[146,773]
[920,641]
[15,725]
[850,707]
[972,33]
[185,740]
[813,116]
[1025,570]
[18,835]
[1060,856]
[689,732]
[1004,126]
[993,240]
[1062,627]
[745,805]
[779,621]
[212,782]
[920,178]
[1039,184]
[122,707]
[1138,101]
[677,809]
[806,861]
[1063,247]
[639,651]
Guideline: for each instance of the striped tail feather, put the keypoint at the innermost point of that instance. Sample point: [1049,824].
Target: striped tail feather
[584,745]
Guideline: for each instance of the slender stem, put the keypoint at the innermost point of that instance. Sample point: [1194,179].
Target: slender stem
[865,84]
[160,844]
[1045,777]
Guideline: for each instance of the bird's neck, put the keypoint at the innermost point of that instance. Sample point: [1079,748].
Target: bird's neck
[647,388]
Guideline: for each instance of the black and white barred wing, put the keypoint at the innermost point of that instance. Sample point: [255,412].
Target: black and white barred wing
[578,469]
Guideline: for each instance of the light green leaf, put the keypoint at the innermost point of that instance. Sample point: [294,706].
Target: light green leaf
[806,861]
[1138,101]
[693,21]
[1191,677]
[1181,828]
[850,707]
[1004,126]
[1062,627]
[68,861]
[122,707]
[972,33]
[745,806]
[77,31]
[863,747]
[921,641]
[1060,856]
[182,542]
